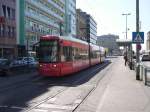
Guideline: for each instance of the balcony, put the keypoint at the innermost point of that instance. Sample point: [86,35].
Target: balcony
[40,19]
[63,10]
[45,9]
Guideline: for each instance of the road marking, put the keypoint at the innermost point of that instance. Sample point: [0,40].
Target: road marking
[52,100]
[102,100]
[39,110]
[53,106]
[3,106]
[78,101]
[11,107]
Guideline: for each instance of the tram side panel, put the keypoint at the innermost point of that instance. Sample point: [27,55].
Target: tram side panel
[80,56]
[66,57]
[94,55]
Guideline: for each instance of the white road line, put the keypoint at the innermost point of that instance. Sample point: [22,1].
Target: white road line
[77,101]
[52,106]
[52,100]
[3,106]
[39,110]
[11,107]
[102,101]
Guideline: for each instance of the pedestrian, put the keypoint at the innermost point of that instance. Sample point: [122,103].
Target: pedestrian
[125,59]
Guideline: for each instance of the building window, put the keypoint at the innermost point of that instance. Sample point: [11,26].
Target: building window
[0,30]
[4,10]
[13,14]
[8,12]
[13,31]
[9,31]
[3,30]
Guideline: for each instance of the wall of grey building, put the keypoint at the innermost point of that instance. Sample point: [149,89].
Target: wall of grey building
[108,41]
[148,41]
[7,28]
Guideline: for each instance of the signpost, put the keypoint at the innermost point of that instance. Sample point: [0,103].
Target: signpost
[137,50]
[138,37]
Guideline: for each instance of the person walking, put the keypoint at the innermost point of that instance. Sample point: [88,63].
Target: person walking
[125,59]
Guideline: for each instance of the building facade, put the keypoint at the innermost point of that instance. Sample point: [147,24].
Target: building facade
[148,41]
[109,42]
[8,28]
[70,17]
[81,25]
[37,18]
[86,27]
[92,30]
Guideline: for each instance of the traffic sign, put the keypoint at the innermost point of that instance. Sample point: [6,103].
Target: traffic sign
[139,46]
[137,37]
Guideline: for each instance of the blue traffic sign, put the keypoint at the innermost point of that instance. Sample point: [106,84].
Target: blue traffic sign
[137,37]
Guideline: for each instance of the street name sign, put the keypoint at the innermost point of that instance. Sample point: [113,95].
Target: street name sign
[137,37]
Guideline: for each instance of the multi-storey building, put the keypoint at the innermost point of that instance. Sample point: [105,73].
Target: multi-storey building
[70,17]
[109,42]
[92,29]
[7,28]
[86,27]
[148,41]
[81,25]
[37,18]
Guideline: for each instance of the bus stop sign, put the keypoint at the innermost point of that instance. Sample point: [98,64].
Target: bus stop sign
[137,37]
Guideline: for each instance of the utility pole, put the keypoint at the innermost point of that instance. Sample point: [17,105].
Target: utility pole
[138,44]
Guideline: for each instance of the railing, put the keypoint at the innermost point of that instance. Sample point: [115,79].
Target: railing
[145,74]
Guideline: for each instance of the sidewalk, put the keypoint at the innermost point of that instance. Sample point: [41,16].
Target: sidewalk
[123,92]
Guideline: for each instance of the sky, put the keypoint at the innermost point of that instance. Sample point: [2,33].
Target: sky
[109,18]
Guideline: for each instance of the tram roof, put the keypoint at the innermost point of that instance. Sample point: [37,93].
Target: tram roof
[73,39]
[70,38]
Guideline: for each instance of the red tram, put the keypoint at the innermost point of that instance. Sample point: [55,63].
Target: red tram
[59,56]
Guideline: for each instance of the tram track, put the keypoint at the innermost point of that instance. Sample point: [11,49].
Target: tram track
[74,83]
[34,80]
[90,92]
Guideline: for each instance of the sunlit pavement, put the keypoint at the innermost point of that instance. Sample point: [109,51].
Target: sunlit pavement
[118,91]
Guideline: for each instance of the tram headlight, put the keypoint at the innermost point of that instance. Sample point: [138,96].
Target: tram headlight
[40,65]
[54,66]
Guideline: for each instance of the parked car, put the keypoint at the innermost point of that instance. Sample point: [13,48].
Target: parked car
[4,66]
[145,60]
[31,61]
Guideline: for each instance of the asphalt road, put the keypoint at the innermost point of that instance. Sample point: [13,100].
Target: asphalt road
[31,92]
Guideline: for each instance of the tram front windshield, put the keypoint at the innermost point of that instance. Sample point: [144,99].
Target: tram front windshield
[48,51]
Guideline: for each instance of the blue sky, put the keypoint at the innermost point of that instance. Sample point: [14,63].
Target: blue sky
[108,15]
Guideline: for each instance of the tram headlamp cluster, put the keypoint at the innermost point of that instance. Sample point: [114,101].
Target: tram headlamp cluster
[54,65]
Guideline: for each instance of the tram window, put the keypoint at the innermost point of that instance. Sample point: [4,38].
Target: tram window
[77,54]
[84,54]
[67,53]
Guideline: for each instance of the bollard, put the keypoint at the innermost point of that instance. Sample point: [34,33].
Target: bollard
[145,70]
[141,72]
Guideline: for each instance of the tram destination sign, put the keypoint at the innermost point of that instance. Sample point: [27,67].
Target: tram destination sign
[48,43]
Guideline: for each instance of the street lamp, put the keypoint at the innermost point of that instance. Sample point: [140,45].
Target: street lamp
[126,14]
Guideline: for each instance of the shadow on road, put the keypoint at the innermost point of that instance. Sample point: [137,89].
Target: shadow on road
[17,98]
